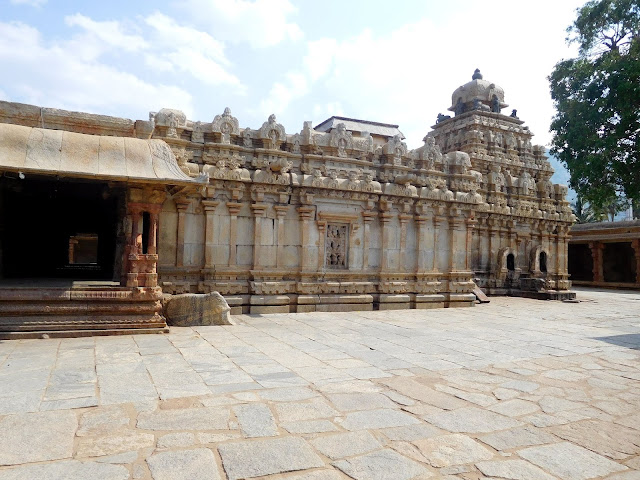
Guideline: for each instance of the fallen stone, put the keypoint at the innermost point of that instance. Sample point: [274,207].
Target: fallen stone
[456,449]
[194,309]
[382,465]
[570,462]
[513,470]
[37,437]
[267,457]
[199,464]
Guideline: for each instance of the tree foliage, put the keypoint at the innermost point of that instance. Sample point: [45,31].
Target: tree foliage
[596,129]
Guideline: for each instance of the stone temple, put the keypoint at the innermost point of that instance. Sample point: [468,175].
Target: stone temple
[99,216]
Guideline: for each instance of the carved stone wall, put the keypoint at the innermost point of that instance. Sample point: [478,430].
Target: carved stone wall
[319,221]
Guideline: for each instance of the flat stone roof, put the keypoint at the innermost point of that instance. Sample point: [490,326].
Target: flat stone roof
[355,125]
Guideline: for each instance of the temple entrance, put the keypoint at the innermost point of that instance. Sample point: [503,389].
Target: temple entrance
[618,263]
[59,229]
[580,262]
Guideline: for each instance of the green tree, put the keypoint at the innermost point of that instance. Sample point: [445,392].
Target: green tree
[583,212]
[596,128]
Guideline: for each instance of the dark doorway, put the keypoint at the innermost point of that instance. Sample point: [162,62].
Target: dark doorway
[543,262]
[54,228]
[580,262]
[618,262]
[511,262]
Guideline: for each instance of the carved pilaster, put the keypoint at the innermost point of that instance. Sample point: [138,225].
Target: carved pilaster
[209,233]
[471,224]
[436,221]
[182,206]
[404,219]
[307,258]
[259,210]
[385,222]
[281,212]
[367,218]
[234,208]
[421,242]
[596,256]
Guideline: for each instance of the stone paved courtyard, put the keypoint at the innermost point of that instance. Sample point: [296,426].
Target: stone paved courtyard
[516,389]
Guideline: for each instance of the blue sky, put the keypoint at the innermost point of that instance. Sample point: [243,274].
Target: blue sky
[394,62]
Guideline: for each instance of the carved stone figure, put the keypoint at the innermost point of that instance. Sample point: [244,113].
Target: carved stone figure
[197,136]
[246,137]
[495,104]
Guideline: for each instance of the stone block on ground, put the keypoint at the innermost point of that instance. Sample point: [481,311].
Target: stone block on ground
[194,309]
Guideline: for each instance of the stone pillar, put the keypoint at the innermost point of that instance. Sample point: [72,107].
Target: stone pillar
[404,219]
[523,260]
[491,228]
[367,218]
[458,236]
[596,255]
[305,213]
[385,223]
[635,244]
[209,232]
[421,243]
[436,221]
[471,224]
[234,208]
[353,230]
[259,210]
[182,206]
[152,243]
[322,245]
[281,212]
[136,234]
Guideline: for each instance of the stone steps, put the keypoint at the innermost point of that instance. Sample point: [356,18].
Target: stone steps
[34,312]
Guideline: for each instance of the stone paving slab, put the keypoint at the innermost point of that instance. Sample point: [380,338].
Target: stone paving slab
[515,389]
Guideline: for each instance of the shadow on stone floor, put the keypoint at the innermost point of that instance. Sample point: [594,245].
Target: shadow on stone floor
[629,340]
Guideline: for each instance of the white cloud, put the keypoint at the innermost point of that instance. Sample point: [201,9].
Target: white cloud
[109,34]
[54,75]
[261,23]
[406,76]
[31,3]
[282,94]
[184,49]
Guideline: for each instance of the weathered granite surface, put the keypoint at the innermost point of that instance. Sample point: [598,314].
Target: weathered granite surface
[578,364]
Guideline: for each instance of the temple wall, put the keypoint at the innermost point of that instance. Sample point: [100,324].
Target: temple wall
[342,220]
